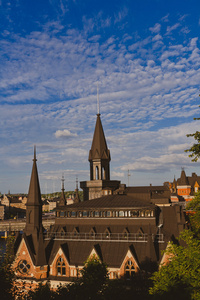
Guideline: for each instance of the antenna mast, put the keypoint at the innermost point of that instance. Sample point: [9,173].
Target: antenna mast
[128,176]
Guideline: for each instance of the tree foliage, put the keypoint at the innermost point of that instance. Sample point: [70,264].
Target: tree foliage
[181,276]
[193,208]
[195,149]
[7,275]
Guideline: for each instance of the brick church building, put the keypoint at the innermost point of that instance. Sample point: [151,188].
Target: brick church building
[125,227]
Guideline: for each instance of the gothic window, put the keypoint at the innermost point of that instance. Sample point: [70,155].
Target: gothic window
[60,266]
[129,269]
[97,173]
[24,266]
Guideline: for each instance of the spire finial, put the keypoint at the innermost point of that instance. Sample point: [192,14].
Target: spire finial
[34,158]
[63,179]
[98,107]
[77,182]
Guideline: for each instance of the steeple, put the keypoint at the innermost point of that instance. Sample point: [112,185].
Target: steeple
[99,155]
[62,201]
[34,202]
[77,198]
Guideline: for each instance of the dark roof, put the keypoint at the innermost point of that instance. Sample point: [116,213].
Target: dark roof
[111,201]
[113,253]
[146,189]
[183,180]
[99,149]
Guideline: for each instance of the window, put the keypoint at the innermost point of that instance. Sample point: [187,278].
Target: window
[62,214]
[61,269]
[73,214]
[129,269]
[24,266]
[96,214]
[121,213]
[84,213]
[134,213]
[108,213]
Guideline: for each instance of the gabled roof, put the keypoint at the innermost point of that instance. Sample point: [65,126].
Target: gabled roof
[99,149]
[113,254]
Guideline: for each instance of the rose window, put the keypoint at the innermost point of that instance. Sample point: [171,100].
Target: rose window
[23,266]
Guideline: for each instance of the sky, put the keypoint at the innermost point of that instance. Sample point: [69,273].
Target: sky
[144,55]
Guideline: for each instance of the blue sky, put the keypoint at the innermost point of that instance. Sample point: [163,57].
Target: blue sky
[145,56]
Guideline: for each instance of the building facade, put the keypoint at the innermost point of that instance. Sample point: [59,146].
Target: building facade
[127,228]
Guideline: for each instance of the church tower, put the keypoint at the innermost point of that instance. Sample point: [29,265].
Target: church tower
[34,203]
[99,155]
[99,158]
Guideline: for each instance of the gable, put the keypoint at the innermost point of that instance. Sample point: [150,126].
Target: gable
[24,258]
[129,255]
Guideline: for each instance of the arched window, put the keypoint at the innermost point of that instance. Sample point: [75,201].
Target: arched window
[60,266]
[97,173]
[129,269]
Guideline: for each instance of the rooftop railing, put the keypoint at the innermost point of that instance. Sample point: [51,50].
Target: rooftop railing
[113,237]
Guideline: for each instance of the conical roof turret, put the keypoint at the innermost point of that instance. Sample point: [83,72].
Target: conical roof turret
[183,179]
[99,149]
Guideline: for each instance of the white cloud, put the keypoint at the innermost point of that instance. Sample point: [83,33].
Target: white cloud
[156,28]
[172,28]
[64,133]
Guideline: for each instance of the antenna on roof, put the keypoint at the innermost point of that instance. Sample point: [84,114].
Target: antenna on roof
[128,176]
[98,107]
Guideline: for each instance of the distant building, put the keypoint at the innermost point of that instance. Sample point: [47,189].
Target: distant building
[184,188]
[2,212]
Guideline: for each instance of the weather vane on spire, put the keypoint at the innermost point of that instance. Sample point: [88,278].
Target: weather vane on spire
[98,108]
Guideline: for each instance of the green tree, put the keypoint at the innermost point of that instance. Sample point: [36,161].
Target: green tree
[7,275]
[42,291]
[195,149]
[180,278]
[193,208]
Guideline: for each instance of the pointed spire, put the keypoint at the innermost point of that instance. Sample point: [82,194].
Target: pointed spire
[34,202]
[62,198]
[99,149]
[34,194]
[77,198]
